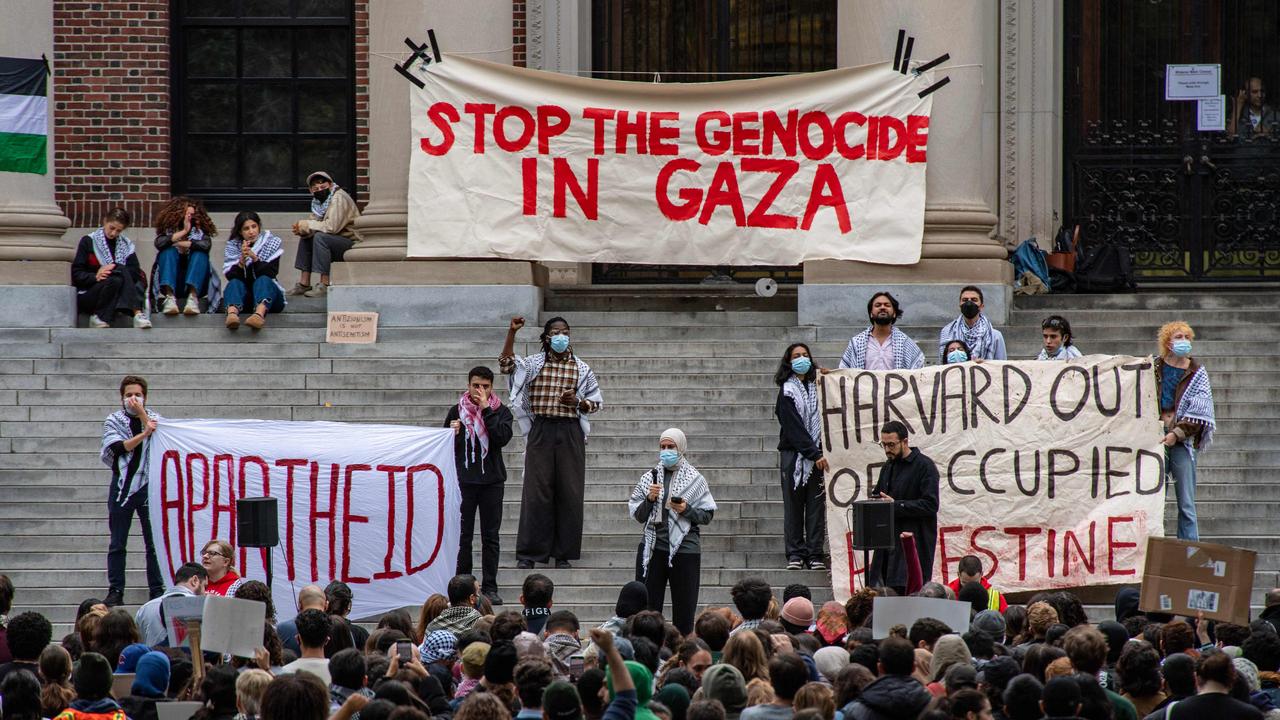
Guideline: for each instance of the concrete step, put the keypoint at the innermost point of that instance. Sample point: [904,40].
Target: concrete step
[739,296]
[1188,299]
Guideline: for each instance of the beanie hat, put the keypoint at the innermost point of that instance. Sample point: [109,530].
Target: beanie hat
[798,611]
[560,701]
[830,661]
[500,663]
[92,677]
[152,676]
[129,657]
[990,622]
[633,598]
[947,651]
[1249,671]
[473,657]
[724,682]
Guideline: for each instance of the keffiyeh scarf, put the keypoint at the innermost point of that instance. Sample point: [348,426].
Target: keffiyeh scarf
[979,338]
[118,428]
[906,354]
[477,434]
[106,253]
[805,396]
[438,645]
[560,647]
[267,247]
[687,483]
[1196,406]
[457,620]
[527,368]
[320,208]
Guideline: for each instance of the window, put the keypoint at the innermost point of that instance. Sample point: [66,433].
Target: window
[263,93]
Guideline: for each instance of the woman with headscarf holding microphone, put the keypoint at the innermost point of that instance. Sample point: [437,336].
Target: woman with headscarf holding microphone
[672,501]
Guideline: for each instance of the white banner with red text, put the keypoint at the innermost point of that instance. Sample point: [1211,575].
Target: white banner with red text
[1051,473]
[376,506]
[507,162]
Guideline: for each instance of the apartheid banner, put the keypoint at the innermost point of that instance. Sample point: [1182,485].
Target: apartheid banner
[375,506]
[1052,473]
[507,162]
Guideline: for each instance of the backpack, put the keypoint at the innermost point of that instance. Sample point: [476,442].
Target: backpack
[1030,258]
[1105,268]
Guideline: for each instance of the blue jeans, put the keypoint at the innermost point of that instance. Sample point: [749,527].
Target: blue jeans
[1180,464]
[197,271]
[265,290]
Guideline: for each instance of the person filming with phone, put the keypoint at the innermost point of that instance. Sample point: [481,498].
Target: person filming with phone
[672,501]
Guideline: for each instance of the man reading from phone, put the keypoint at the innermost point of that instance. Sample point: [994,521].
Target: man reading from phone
[909,480]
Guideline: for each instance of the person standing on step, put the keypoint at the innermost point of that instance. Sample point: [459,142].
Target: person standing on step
[251,263]
[804,520]
[974,328]
[672,501]
[482,427]
[909,480]
[126,449]
[107,275]
[882,346]
[184,236]
[1186,409]
[1058,344]
[326,236]
[552,393]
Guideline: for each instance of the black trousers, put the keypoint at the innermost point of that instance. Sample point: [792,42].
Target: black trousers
[488,500]
[120,521]
[684,575]
[804,512]
[555,472]
[115,294]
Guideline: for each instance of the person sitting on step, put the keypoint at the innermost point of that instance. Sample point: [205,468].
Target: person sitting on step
[184,236]
[107,275]
[325,236]
[250,264]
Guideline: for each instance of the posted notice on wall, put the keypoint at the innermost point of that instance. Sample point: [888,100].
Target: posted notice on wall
[1192,82]
[507,162]
[1211,114]
[375,506]
[1052,473]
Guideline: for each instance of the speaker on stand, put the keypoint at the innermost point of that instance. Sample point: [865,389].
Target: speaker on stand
[873,529]
[258,526]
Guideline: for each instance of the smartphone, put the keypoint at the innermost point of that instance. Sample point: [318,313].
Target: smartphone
[577,664]
[404,649]
[677,499]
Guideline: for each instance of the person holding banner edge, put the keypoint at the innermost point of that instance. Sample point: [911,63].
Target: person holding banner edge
[882,346]
[552,393]
[1186,410]
[126,449]
[804,519]
[909,480]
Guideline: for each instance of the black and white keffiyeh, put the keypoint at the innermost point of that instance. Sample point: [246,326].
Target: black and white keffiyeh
[117,428]
[686,483]
[805,397]
[906,354]
[1196,406]
[980,338]
[108,252]
[527,368]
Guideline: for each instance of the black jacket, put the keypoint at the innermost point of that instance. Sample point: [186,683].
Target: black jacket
[792,434]
[913,485]
[889,697]
[84,268]
[492,470]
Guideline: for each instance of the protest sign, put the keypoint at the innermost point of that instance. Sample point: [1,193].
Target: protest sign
[889,611]
[176,710]
[231,625]
[508,162]
[375,506]
[1051,473]
[352,327]
[177,610]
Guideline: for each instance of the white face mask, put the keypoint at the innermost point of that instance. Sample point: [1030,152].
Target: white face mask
[129,408]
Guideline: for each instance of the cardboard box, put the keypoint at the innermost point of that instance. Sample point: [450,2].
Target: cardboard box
[1183,578]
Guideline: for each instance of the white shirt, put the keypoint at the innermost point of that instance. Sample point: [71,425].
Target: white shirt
[879,357]
[316,666]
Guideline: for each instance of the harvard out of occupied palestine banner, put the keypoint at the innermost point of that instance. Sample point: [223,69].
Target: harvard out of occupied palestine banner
[508,162]
[375,506]
[1052,473]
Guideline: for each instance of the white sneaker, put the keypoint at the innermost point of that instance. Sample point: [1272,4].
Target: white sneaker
[141,322]
[193,306]
[169,306]
[97,322]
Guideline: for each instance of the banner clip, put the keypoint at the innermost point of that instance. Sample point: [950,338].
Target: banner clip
[420,53]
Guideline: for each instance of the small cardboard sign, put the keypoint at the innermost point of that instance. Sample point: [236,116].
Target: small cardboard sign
[352,327]
[889,611]
[232,625]
[178,609]
[177,710]
[1183,578]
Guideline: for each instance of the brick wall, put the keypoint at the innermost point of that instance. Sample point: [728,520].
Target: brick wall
[111,107]
[111,104]
[518,37]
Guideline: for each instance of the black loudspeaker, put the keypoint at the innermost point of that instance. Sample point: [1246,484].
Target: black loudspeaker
[256,522]
[873,525]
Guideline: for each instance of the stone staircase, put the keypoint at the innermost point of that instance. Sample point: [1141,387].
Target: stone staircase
[701,359]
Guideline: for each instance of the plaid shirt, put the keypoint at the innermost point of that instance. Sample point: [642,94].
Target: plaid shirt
[546,389]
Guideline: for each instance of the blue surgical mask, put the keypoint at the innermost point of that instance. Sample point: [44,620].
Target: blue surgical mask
[669,458]
[1181,348]
[559,343]
[957,356]
[801,365]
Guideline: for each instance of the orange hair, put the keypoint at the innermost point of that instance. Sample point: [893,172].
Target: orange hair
[1166,334]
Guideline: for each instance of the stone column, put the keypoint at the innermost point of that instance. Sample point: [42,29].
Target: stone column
[958,245]
[35,263]
[376,274]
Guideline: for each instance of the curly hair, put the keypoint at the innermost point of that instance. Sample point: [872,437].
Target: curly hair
[170,216]
[1165,337]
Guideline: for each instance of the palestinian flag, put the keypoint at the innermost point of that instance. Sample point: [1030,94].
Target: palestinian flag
[24,115]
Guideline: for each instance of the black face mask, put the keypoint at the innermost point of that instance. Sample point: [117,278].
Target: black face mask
[321,195]
[883,319]
[969,309]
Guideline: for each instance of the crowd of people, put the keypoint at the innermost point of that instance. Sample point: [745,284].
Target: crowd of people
[766,657]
